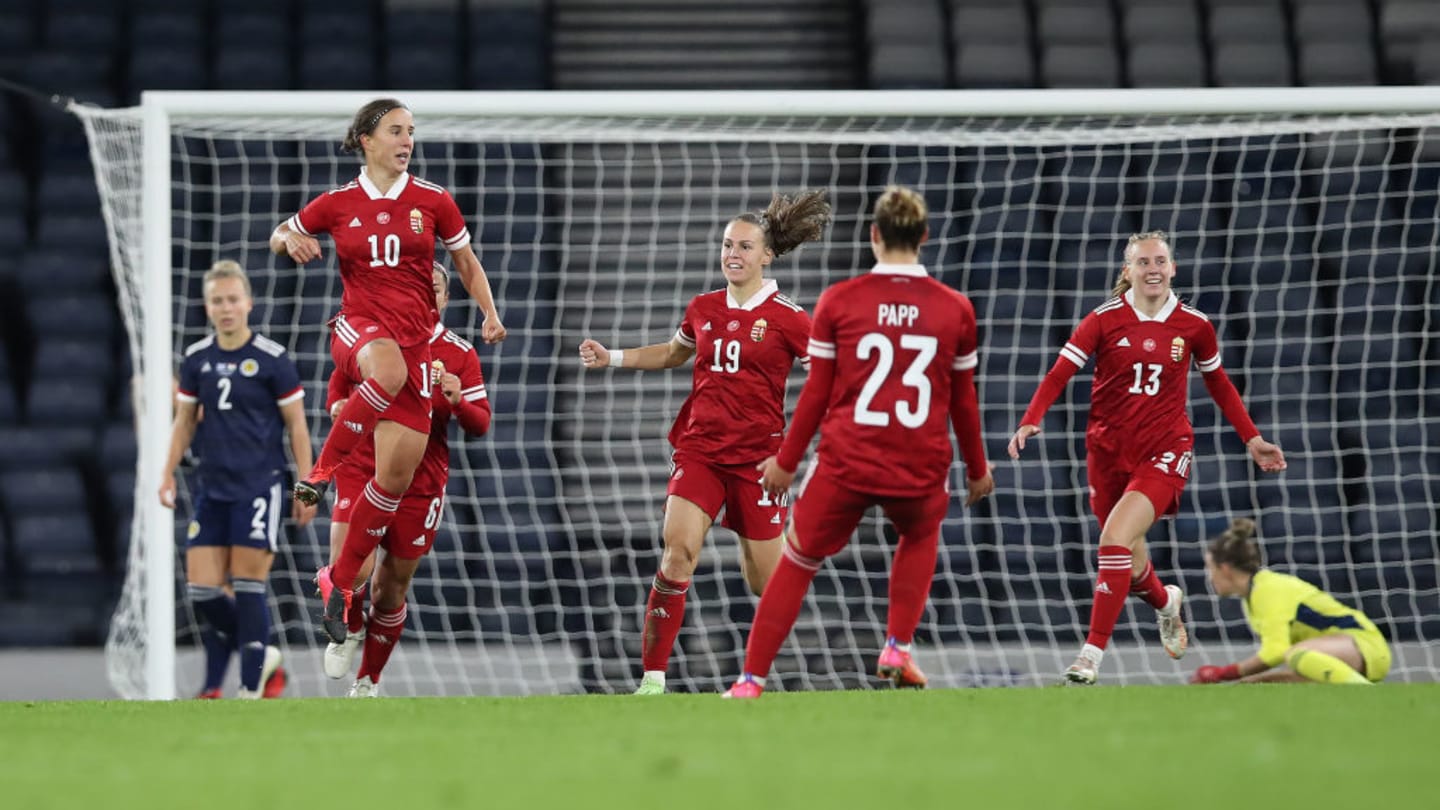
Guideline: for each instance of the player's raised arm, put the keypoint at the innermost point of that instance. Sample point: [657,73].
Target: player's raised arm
[670,354]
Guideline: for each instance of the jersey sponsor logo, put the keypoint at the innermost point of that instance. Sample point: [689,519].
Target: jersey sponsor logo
[732,326]
[1124,341]
[417,221]
[355,223]
[1177,349]
[383,217]
[757,331]
[249,367]
[1148,345]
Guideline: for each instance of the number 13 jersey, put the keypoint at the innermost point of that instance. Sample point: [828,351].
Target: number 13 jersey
[1142,367]
[735,413]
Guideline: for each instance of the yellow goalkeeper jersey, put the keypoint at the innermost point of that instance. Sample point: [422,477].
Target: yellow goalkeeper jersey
[1284,610]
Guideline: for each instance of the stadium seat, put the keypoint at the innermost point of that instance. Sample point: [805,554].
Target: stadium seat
[59,357]
[1251,64]
[1404,26]
[1350,63]
[79,233]
[982,66]
[1176,24]
[55,544]
[905,66]
[1067,24]
[507,66]
[176,67]
[83,316]
[89,27]
[254,66]
[1007,24]
[342,65]
[43,273]
[63,402]
[1168,64]
[1249,22]
[1079,66]
[1333,21]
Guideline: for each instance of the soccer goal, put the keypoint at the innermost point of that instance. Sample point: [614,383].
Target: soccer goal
[1304,223]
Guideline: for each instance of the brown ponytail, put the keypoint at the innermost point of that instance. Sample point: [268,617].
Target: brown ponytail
[791,221]
[1236,546]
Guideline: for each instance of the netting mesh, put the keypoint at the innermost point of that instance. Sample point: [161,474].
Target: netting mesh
[1310,241]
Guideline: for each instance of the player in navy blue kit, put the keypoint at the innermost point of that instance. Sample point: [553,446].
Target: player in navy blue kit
[251,397]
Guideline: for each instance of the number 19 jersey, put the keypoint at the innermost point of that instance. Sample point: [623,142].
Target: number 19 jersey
[896,336]
[743,356]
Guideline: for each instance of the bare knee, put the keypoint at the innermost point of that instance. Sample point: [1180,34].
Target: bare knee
[756,577]
[679,559]
[386,366]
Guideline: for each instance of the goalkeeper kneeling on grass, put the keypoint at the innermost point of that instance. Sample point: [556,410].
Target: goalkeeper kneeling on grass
[1306,629]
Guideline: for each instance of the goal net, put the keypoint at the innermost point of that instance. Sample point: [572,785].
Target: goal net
[1309,239]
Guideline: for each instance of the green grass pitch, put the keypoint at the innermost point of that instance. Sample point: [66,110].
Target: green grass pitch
[1216,748]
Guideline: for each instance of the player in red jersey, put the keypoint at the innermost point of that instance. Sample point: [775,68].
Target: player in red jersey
[1138,439]
[384,224]
[745,340]
[460,393]
[892,360]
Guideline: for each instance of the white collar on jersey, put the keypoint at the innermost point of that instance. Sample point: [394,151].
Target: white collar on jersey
[761,295]
[373,191]
[1170,304]
[439,330]
[916,270]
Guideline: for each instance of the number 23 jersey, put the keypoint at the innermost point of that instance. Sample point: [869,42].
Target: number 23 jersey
[735,413]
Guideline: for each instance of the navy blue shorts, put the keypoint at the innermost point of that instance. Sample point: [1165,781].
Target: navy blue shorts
[252,523]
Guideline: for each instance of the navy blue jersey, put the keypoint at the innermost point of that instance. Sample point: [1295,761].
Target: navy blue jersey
[240,441]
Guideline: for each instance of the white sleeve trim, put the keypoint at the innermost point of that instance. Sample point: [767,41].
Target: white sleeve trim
[1073,354]
[1209,365]
[293,223]
[966,362]
[184,397]
[821,349]
[295,397]
[685,341]
[458,241]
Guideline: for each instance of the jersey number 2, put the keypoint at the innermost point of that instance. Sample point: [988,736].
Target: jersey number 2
[911,416]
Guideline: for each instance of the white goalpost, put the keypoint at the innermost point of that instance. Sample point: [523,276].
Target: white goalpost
[1304,222]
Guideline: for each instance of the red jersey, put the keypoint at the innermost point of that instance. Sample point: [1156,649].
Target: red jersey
[896,338]
[1142,376]
[460,359]
[735,413]
[386,247]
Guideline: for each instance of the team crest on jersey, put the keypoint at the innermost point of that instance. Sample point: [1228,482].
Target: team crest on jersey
[224,369]
[757,332]
[1177,349]
[383,217]
[417,222]
[1148,345]
[732,326]
[249,367]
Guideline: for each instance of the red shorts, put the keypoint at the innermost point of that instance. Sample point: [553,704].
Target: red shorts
[827,512]
[749,511]
[1161,478]
[411,534]
[411,406]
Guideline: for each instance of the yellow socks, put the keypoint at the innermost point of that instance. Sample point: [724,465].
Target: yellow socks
[1322,668]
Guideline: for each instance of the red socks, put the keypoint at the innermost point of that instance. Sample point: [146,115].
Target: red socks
[1111,588]
[664,615]
[910,575]
[1147,586]
[355,422]
[374,510]
[779,607]
[382,633]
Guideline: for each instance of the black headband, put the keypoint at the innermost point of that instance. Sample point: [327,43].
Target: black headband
[375,120]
